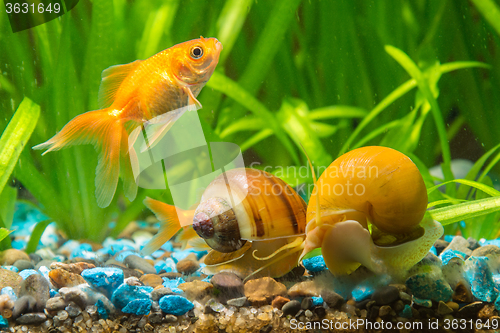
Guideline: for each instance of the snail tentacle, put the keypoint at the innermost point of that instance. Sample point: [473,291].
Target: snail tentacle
[277,259]
[297,242]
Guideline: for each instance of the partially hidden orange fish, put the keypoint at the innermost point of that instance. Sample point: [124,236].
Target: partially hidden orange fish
[130,95]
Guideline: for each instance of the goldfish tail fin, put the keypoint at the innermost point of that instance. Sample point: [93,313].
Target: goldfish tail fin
[104,131]
[83,129]
[169,224]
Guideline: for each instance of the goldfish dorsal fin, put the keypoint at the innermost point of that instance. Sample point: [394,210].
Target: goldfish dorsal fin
[111,79]
[169,224]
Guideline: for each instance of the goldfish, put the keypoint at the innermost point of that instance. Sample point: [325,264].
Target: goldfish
[131,95]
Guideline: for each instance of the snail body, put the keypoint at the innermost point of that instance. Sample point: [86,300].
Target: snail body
[370,188]
[241,210]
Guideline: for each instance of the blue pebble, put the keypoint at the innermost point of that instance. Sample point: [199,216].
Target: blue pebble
[126,293]
[139,307]
[9,291]
[179,255]
[484,242]
[172,283]
[168,265]
[168,247]
[176,305]
[480,277]
[3,322]
[433,250]
[157,254]
[11,268]
[406,312]
[422,302]
[27,272]
[430,285]
[448,238]
[83,251]
[104,279]
[102,310]
[445,256]
[314,264]
[19,244]
[44,270]
[53,292]
[362,292]
[367,287]
[317,301]
[207,279]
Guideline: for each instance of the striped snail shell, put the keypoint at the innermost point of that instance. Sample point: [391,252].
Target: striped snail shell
[248,204]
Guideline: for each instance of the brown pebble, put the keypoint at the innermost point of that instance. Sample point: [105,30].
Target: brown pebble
[384,310]
[75,268]
[279,301]
[462,293]
[454,306]
[151,280]
[62,278]
[196,289]
[10,256]
[187,266]
[444,309]
[171,275]
[304,289]
[487,311]
[263,290]
[401,287]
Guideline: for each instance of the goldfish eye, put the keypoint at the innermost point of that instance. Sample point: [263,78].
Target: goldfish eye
[196,52]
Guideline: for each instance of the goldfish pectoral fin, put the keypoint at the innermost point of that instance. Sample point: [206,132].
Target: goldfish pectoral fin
[108,167]
[159,126]
[193,102]
[199,244]
[169,224]
[83,129]
[128,157]
[111,79]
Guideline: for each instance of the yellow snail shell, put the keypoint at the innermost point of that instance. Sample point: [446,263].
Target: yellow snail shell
[377,187]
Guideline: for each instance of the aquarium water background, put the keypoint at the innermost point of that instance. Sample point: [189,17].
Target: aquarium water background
[322,77]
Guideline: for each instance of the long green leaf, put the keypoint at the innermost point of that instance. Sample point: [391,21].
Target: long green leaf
[485,188]
[15,137]
[490,11]
[36,235]
[412,69]
[466,210]
[224,84]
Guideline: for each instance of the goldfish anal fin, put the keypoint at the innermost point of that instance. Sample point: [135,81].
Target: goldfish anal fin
[169,224]
[111,79]
[186,234]
[199,244]
[128,157]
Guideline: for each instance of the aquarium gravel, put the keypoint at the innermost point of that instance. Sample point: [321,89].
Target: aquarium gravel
[77,286]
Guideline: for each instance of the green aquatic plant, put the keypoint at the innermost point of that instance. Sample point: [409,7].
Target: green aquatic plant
[12,142]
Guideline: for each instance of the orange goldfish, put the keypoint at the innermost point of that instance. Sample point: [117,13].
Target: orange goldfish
[130,96]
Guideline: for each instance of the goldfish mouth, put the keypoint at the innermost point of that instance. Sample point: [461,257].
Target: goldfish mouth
[218,45]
